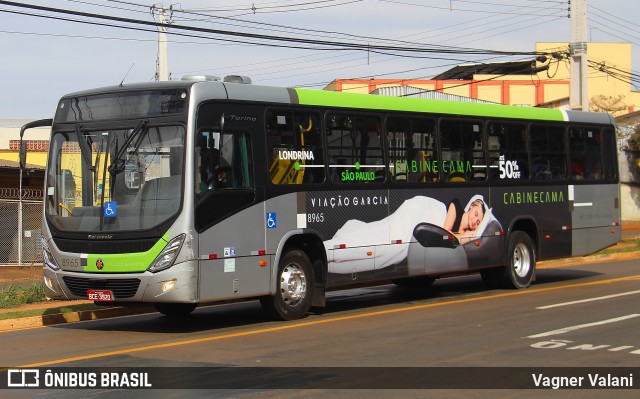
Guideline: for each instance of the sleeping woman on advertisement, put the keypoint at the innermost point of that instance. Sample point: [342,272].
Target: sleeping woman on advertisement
[406,225]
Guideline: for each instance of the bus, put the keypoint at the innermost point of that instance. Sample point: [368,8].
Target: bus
[203,190]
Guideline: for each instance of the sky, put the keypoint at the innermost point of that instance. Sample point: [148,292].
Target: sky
[45,54]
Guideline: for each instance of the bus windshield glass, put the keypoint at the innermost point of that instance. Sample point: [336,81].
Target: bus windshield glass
[115,180]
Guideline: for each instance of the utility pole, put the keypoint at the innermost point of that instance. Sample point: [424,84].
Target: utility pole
[578,85]
[162,63]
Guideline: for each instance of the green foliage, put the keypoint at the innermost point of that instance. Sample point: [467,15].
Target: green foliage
[633,143]
[628,245]
[43,312]
[13,296]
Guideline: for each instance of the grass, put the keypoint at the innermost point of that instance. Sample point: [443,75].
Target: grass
[13,296]
[42,312]
[628,245]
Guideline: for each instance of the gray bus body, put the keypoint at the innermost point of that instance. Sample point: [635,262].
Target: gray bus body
[313,192]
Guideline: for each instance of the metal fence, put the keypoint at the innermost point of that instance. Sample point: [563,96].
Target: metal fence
[11,231]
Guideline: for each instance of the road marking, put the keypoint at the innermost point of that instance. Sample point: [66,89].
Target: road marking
[580,326]
[588,300]
[323,321]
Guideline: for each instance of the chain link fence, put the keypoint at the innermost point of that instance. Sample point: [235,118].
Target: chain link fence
[10,233]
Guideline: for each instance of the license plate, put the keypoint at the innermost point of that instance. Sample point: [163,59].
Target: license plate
[100,295]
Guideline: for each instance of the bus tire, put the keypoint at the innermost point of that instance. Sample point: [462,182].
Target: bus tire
[294,288]
[175,309]
[521,262]
[490,277]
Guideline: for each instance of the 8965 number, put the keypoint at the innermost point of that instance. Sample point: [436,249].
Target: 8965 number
[315,217]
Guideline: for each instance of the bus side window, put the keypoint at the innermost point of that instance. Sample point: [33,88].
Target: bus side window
[355,149]
[223,161]
[411,150]
[462,152]
[307,128]
[609,155]
[210,174]
[548,152]
[586,153]
[295,151]
[510,160]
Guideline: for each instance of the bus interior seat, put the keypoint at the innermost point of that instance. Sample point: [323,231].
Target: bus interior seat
[162,194]
[456,177]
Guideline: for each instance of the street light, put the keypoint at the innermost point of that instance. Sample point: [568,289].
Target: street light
[23,163]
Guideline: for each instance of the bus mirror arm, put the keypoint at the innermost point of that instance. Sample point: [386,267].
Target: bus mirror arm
[23,144]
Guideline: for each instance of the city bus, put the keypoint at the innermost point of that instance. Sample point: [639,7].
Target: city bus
[204,190]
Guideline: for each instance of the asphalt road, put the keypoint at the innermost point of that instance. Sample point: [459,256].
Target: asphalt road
[584,318]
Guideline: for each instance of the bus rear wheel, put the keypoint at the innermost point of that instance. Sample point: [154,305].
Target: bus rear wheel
[294,288]
[175,309]
[520,268]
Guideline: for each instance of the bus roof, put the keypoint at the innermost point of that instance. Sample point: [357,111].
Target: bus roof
[249,92]
[368,101]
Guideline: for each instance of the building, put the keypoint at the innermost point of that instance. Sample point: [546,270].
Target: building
[37,147]
[543,81]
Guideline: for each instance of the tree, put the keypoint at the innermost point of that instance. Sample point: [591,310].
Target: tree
[633,142]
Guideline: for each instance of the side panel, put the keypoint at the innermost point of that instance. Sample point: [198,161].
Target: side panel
[376,235]
[595,211]
[230,257]
[547,207]
[355,228]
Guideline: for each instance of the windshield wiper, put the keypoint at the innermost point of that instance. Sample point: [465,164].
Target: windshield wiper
[85,150]
[118,164]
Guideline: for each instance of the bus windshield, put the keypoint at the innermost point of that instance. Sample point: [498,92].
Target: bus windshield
[112,180]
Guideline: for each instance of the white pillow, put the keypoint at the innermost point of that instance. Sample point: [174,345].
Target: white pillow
[488,217]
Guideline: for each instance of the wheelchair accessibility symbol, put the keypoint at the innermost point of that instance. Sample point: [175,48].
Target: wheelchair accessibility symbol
[110,209]
[272,221]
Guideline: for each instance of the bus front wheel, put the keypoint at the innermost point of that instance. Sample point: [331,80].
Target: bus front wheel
[292,299]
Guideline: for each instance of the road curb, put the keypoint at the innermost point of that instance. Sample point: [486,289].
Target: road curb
[72,317]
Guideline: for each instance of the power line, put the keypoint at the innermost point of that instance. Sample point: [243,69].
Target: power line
[200,36]
[292,7]
[292,42]
[462,27]
[618,19]
[466,10]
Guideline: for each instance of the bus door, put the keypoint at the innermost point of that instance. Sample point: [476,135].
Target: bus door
[231,242]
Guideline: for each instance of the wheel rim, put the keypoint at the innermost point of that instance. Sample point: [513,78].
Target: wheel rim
[293,284]
[521,260]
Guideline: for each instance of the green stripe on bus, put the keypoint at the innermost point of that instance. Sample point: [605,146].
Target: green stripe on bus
[127,262]
[375,102]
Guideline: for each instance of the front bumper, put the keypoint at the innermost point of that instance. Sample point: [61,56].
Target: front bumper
[127,287]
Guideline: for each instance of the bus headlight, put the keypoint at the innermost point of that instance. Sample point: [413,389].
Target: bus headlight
[48,258]
[168,255]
